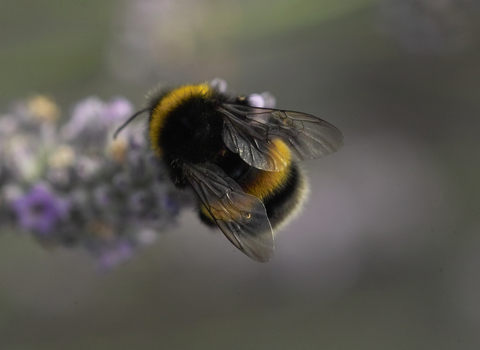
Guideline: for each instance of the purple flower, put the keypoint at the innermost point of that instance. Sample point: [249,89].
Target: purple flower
[256,100]
[117,110]
[219,84]
[40,210]
[269,100]
[114,254]
[8,125]
[87,116]
[263,100]
[171,205]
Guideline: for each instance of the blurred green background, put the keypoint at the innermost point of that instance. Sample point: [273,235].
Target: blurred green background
[386,254]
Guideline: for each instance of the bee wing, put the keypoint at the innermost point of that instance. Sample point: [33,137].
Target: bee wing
[250,141]
[241,216]
[249,131]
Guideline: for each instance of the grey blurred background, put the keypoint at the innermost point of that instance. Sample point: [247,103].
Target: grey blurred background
[386,254]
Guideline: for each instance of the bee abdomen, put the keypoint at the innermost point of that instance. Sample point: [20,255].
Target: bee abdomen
[286,200]
[281,192]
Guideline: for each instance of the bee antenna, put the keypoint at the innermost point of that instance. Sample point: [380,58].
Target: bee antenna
[129,120]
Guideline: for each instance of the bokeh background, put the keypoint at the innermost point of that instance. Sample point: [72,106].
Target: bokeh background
[386,254]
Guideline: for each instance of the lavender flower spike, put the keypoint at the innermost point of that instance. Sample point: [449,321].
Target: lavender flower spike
[74,185]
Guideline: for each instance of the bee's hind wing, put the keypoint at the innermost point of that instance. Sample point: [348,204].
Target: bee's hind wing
[241,216]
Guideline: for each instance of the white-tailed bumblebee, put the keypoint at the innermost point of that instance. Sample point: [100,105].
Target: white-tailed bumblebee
[239,159]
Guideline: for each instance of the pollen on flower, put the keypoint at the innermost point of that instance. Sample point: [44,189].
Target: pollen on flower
[102,230]
[43,108]
[62,157]
[74,186]
[117,150]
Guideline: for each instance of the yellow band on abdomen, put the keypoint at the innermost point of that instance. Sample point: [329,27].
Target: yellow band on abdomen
[265,182]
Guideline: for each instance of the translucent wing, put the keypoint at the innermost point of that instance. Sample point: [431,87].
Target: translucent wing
[249,131]
[241,216]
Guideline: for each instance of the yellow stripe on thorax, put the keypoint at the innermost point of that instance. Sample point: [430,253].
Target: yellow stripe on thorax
[169,102]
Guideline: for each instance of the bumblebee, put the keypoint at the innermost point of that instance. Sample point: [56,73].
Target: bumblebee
[239,159]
